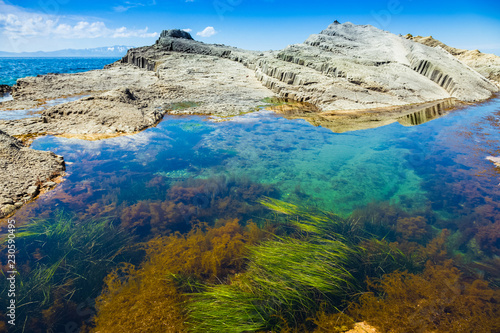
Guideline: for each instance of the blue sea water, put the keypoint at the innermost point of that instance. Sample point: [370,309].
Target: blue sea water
[12,69]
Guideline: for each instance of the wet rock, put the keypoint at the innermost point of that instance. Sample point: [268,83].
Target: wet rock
[5,89]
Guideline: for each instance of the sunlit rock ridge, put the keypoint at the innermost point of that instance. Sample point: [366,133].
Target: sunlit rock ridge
[345,66]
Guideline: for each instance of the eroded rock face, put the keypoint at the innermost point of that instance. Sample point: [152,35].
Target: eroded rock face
[485,64]
[344,67]
[24,173]
[377,67]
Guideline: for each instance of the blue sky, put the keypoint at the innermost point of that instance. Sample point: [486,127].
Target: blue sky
[33,25]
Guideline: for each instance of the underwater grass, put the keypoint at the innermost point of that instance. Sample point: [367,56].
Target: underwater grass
[287,278]
[63,260]
[321,261]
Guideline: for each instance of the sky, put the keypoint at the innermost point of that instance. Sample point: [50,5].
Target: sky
[48,25]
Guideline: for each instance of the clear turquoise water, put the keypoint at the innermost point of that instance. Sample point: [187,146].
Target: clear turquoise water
[12,69]
[440,165]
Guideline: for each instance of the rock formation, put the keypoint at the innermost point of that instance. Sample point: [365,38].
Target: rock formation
[485,64]
[344,67]
[25,173]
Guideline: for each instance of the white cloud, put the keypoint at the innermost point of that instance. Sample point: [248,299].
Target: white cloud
[15,23]
[121,9]
[129,4]
[207,32]
[187,30]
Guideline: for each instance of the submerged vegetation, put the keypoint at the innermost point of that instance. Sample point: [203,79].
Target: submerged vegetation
[306,275]
[175,267]
[61,265]
[295,270]
[439,300]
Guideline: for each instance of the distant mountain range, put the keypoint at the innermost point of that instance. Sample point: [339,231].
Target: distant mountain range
[116,51]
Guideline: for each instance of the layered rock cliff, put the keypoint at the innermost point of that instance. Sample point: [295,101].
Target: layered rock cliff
[485,64]
[345,66]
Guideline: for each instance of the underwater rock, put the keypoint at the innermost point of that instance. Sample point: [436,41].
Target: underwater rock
[495,160]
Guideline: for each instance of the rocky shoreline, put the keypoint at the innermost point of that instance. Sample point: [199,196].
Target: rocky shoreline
[352,76]
[345,67]
[25,173]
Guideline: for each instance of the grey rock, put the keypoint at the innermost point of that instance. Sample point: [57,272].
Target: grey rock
[32,190]
[7,209]
[6,201]
[18,204]
[175,33]
[50,184]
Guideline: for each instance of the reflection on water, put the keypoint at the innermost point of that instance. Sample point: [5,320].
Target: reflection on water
[355,120]
[35,112]
[427,114]
[306,164]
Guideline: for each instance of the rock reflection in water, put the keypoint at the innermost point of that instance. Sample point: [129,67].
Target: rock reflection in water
[341,121]
[428,114]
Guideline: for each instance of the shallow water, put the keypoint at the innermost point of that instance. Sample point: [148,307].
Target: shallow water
[190,169]
[35,112]
[419,167]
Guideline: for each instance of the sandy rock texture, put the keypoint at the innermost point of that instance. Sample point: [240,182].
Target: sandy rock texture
[25,172]
[485,64]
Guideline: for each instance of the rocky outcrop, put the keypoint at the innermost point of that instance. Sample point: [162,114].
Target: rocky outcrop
[344,67]
[25,173]
[389,69]
[5,89]
[175,33]
[485,64]
[128,99]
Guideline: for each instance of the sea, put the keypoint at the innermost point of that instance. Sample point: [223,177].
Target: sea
[12,69]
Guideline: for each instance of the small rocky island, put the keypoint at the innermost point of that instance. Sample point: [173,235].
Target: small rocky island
[346,70]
